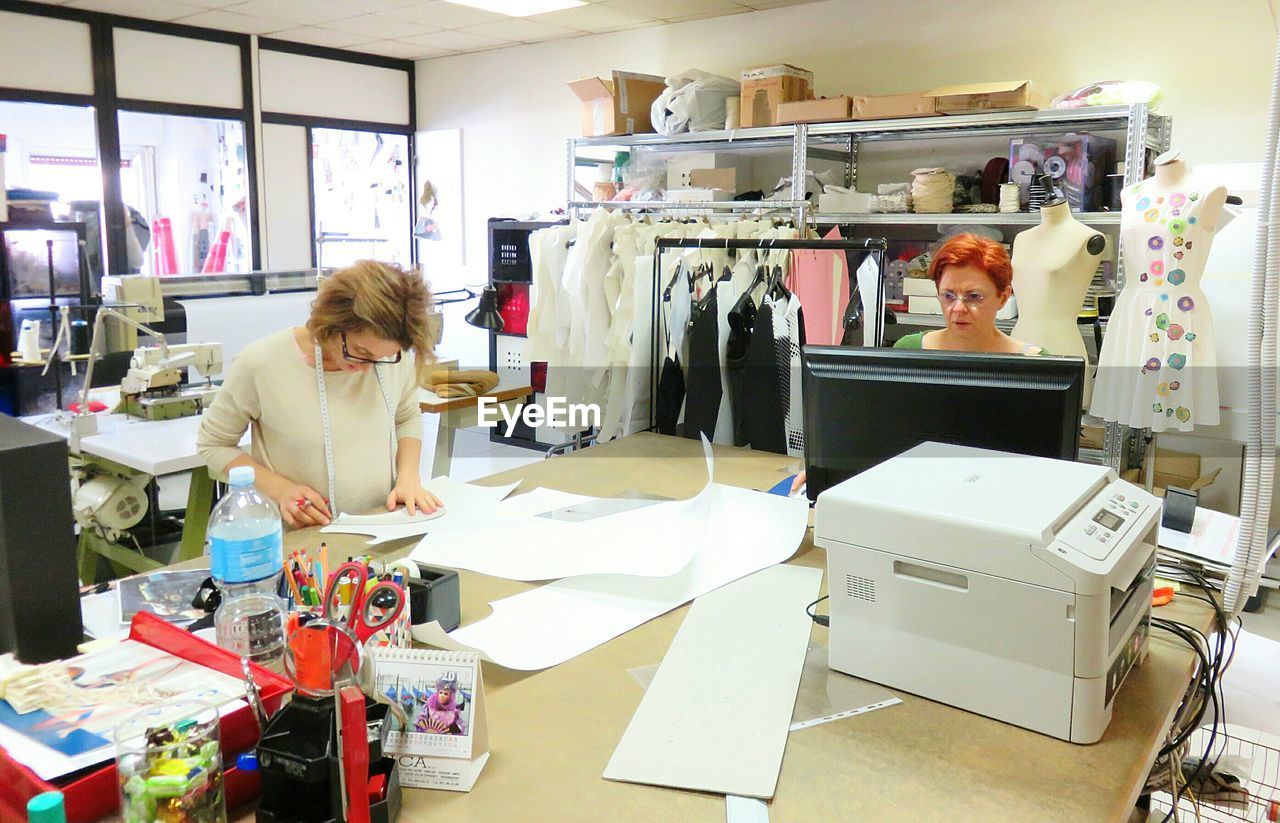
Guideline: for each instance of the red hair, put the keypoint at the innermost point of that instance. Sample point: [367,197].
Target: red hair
[981,253]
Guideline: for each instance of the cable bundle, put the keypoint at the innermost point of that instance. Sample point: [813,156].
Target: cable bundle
[1213,656]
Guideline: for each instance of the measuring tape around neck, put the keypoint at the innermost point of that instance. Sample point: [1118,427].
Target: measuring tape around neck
[328,436]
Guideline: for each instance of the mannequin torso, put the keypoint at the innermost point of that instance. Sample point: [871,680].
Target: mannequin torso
[1053,265]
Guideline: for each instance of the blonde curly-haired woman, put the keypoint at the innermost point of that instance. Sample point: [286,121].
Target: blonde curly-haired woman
[333,405]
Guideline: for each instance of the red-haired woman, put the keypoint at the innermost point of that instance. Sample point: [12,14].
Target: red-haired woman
[974,279]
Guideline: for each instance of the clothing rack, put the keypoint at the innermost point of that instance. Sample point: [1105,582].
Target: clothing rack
[877,247]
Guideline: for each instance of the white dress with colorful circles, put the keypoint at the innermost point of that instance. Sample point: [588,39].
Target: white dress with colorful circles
[1157,368]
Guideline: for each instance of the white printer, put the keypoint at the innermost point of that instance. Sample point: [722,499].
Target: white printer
[1015,587]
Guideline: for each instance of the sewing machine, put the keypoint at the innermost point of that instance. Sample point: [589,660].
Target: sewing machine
[152,388]
[1015,587]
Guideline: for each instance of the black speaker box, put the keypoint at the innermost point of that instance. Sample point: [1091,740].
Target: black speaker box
[39,589]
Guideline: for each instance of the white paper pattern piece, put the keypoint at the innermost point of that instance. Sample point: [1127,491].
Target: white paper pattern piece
[463,503]
[1213,537]
[740,532]
[513,542]
[717,714]
[739,809]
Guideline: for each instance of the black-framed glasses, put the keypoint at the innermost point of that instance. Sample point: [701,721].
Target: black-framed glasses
[348,356]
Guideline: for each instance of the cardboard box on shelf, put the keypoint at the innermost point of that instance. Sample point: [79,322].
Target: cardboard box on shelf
[844,202]
[617,106]
[919,287]
[886,106]
[922,304]
[680,167]
[698,195]
[822,110]
[764,88]
[1174,468]
[1007,95]
[726,179]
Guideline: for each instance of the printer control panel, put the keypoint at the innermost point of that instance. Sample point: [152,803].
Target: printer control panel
[1105,521]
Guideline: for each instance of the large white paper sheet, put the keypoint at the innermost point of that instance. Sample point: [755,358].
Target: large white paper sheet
[464,503]
[740,532]
[717,714]
[514,542]
[1252,683]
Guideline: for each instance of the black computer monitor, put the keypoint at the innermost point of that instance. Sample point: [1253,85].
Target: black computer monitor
[865,405]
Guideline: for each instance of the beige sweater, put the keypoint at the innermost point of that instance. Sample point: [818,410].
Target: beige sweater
[271,390]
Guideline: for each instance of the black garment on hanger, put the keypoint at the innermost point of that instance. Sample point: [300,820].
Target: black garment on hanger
[762,396]
[702,384]
[742,321]
[670,395]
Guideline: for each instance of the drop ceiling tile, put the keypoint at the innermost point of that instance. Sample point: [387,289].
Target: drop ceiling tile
[380,26]
[708,13]
[773,4]
[458,41]
[230,21]
[213,4]
[672,9]
[439,14]
[317,36]
[525,31]
[594,18]
[146,9]
[402,50]
[297,12]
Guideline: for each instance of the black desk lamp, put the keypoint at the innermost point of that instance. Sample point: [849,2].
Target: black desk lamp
[483,316]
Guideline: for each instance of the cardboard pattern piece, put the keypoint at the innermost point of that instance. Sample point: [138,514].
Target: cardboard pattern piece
[717,714]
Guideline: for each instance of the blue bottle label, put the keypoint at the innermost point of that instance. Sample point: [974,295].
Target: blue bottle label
[243,561]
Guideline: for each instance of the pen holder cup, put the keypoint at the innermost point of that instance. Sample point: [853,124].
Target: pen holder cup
[169,764]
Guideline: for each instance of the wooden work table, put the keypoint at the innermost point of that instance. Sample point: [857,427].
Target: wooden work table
[552,732]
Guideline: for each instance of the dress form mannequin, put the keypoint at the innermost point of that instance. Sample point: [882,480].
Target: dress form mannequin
[1158,363]
[1053,265]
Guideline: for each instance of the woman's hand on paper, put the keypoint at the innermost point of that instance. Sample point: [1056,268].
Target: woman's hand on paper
[410,493]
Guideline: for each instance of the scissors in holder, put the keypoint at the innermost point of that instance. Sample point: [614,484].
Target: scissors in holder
[368,609]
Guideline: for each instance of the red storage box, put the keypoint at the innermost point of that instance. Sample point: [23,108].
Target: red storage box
[96,795]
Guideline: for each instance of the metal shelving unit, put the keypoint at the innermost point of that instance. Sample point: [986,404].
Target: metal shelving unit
[1097,219]
[1144,132]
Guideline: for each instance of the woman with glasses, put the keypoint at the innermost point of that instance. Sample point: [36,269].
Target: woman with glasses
[974,279]
[333,405]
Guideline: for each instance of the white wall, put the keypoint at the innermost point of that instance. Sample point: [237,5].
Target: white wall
[294,84]
[1213,61]
[162,67]
[284,197]
[45,54]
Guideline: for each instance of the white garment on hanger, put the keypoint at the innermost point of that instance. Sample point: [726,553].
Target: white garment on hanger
[726,296]
[786,332]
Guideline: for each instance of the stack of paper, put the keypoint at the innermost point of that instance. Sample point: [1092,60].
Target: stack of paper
[1212,541]
[617,571]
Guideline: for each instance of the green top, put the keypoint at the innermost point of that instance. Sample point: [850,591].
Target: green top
[916,341]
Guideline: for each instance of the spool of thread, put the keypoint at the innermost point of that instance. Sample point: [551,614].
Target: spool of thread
[29,341]
[732,112]
[932,191]
[1037,194]
[1010,198]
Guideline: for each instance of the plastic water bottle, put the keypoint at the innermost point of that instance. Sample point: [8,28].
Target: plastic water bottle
[246,550]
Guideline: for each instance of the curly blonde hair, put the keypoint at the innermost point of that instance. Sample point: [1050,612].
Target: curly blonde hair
[379,298]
